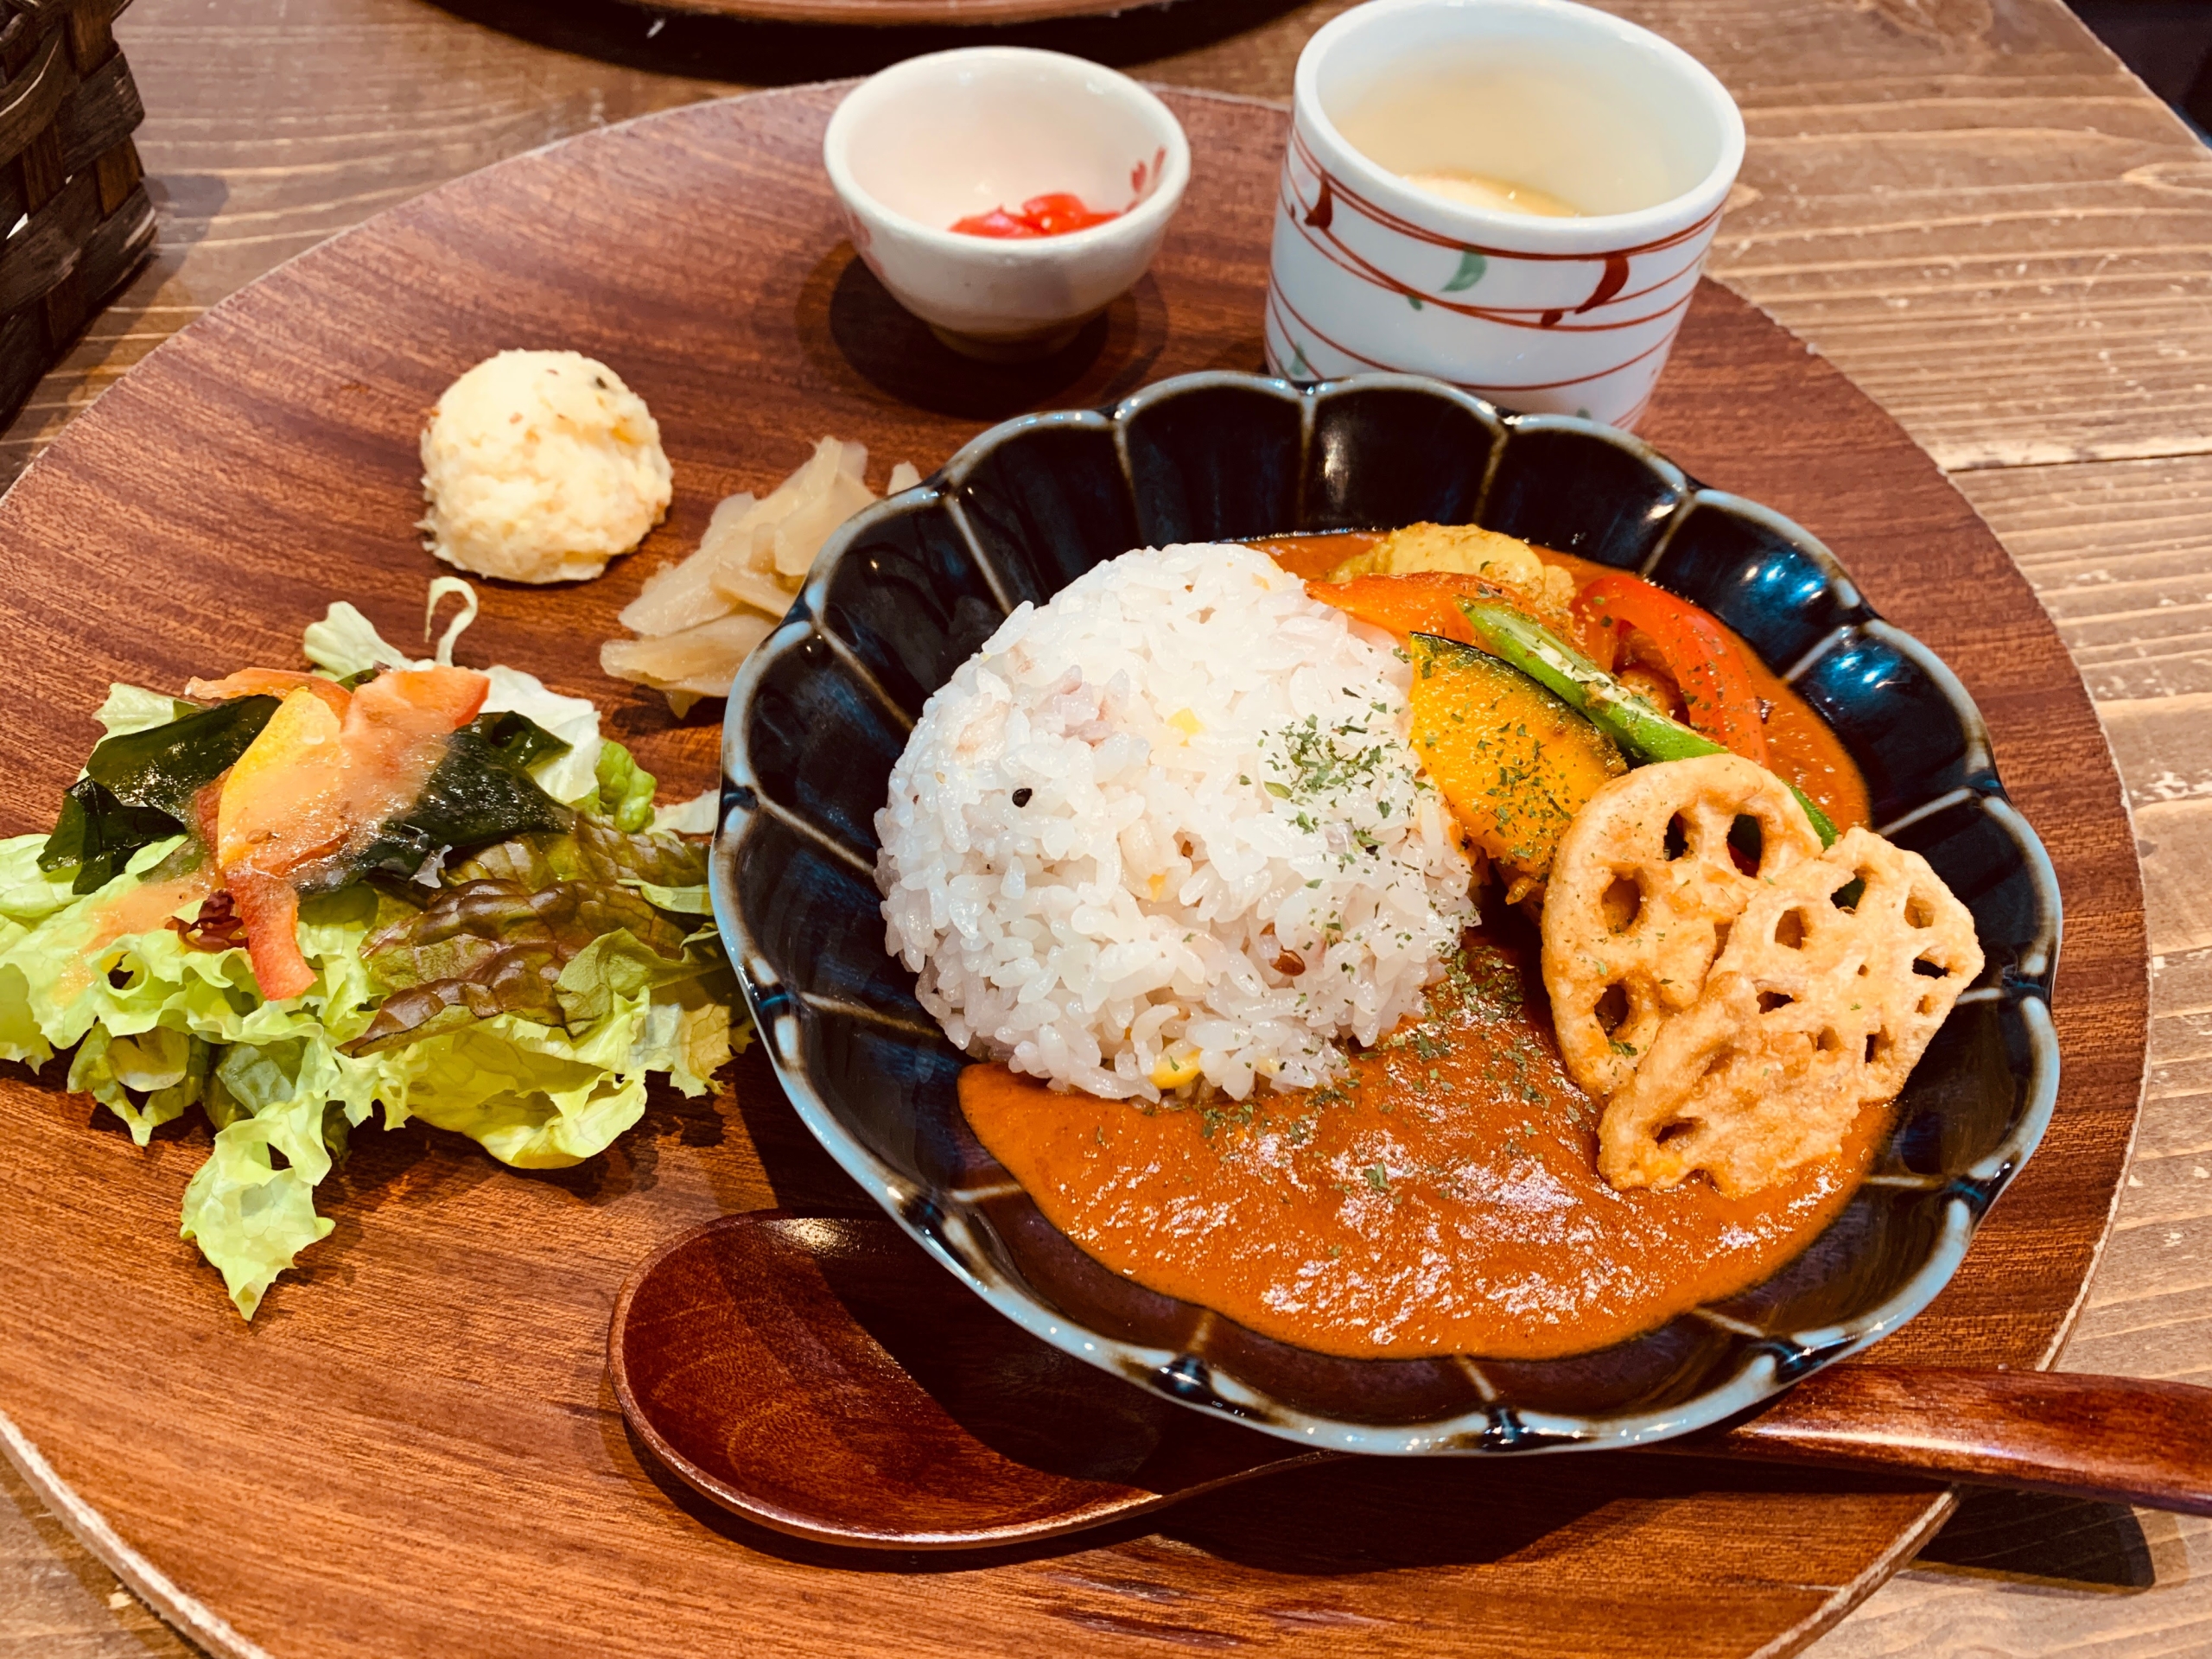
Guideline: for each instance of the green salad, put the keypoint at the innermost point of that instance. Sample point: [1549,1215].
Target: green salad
[496,930]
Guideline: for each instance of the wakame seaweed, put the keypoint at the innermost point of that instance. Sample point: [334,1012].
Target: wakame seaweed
[165,766]
[520,740]
[139,788]
[98,833]
[480,792]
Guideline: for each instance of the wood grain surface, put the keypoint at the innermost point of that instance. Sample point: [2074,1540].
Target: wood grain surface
[436,1374]
[1883,133]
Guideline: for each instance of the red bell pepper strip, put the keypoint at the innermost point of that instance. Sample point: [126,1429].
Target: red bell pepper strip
[1426,602]
[1703,661]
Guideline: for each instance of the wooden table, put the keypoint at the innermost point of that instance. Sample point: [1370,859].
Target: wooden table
[1967,205]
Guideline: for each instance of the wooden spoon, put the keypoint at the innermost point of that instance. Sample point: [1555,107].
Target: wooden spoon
[819,1375]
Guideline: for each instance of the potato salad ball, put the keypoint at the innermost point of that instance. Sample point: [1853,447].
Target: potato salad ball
[541,467]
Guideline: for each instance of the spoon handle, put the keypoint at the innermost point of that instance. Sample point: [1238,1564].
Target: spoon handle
[2121,1439]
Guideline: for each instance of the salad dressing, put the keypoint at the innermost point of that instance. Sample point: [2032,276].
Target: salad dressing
[141,910]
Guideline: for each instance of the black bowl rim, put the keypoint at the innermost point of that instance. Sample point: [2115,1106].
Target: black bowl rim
[1769,1363]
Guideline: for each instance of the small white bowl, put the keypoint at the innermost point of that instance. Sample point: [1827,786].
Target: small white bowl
[937,139]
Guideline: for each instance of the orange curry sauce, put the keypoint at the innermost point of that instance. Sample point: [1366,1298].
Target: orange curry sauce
[1443,1197]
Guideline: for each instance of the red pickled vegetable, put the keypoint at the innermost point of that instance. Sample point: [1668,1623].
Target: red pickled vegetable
[998,222]
[1054,214]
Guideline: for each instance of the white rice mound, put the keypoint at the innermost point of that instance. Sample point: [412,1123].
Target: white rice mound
[541,467]
[1227,857]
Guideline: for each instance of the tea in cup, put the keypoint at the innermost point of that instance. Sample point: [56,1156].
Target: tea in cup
[1513,195]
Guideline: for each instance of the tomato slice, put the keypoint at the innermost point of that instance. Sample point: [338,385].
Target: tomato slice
[268,907]
[1703,663]
[414,702]
[269,683]
[315,777]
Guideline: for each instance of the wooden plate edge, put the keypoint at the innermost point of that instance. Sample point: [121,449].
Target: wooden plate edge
[2056,1346]
[185,1612]
[1832,1612]
[861,14]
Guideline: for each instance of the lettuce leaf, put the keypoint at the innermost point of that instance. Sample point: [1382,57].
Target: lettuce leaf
[532,1097]
[624,795]
[621,991]
[553,971]
[28,893]
[28,896]
[159,1026]
[695,900]
[687,1032]
[493,946]
[572,776]
[131,708]
[345,643]
[696,817]
[592,850]
[250,1218]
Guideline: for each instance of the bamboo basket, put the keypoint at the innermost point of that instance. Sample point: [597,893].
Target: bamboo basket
[72,200]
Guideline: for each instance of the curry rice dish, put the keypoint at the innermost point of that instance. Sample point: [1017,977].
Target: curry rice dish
[1410,944]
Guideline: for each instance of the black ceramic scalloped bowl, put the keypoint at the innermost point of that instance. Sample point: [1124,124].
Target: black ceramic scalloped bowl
[911,589]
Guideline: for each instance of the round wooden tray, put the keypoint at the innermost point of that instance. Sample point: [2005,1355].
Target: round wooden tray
[968,14]
[415,1449]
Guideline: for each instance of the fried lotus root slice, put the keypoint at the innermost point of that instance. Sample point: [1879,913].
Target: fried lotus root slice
[1816,1009]
[1905,938]
[1630,926]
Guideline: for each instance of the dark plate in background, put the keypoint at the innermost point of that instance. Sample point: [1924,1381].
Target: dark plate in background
[911,589]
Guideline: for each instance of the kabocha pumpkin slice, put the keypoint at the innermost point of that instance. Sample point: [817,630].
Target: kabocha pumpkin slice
[1513,760]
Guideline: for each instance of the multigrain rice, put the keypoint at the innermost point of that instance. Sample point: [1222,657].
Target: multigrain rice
[1166,831]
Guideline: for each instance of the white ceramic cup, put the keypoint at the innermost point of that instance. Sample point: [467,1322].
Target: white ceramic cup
[1572,315]
[941,137]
